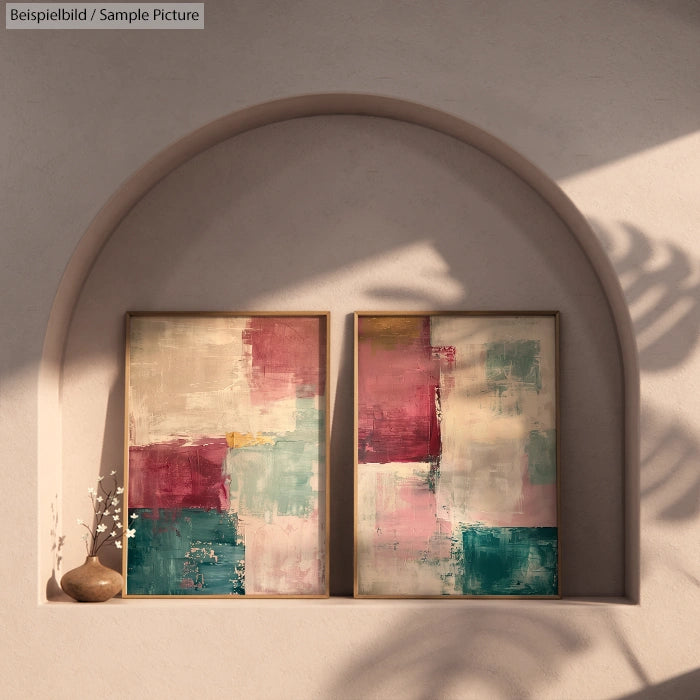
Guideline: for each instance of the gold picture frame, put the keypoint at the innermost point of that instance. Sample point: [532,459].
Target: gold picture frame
[457,454]
[227,454]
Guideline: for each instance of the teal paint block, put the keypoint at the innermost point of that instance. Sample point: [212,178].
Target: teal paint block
[541,452]
[517,360]
[510,561]
[277,478]
[185,552]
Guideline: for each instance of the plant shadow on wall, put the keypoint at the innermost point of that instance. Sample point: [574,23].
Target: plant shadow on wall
[670,491]
[670,474]
[664,300]
[479,653]
[492,652]
[662,286]
[53,588]
[683,686]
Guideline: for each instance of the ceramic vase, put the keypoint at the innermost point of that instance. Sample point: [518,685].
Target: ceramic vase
[92,582]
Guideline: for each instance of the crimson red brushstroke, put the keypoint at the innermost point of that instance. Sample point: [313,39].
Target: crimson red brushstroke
[398,386]
[175,475]
[288,357]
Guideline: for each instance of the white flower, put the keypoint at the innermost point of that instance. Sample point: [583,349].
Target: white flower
[120,490]
[106,513]
[101,527]
[99,499]
[118,544]
[99,478]
[118,524]
[117,510]
[130,533]
[81,521]
[134,516]
[115,501]
[113,533]
[112,473]
[91,491]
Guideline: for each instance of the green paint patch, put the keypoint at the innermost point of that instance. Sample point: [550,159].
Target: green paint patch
[513,361]
[541,452]
[185,552]
[433,475]
[509,560]
[276,479]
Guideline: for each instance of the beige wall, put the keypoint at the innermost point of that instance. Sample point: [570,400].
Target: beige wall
[602,98]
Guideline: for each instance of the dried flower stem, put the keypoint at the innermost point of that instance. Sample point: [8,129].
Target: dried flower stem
[105,504]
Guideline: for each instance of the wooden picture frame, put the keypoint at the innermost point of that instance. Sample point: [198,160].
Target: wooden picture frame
[457,463]
[226,454]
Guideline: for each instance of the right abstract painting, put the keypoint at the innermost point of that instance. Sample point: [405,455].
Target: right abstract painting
[456,470]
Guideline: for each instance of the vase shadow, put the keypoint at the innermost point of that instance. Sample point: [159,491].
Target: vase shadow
[54,592]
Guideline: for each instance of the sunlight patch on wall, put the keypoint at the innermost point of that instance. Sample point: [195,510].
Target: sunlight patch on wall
[651,185]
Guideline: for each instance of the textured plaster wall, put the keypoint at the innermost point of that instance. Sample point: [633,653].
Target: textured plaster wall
[603,97]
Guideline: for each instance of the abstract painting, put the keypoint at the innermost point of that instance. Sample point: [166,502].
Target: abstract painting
[456,469]
[226,452]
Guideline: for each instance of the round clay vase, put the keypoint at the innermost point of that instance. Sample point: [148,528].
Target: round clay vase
[92,582]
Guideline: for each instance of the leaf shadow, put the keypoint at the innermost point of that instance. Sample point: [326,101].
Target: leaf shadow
[437,653]
[664,299]
[54,592]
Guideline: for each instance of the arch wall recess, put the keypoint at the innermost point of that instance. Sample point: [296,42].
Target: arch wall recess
[135,189]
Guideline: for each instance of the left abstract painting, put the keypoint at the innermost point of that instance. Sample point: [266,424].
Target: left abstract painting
[227,455]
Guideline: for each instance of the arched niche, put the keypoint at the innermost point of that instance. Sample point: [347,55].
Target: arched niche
[345,202]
